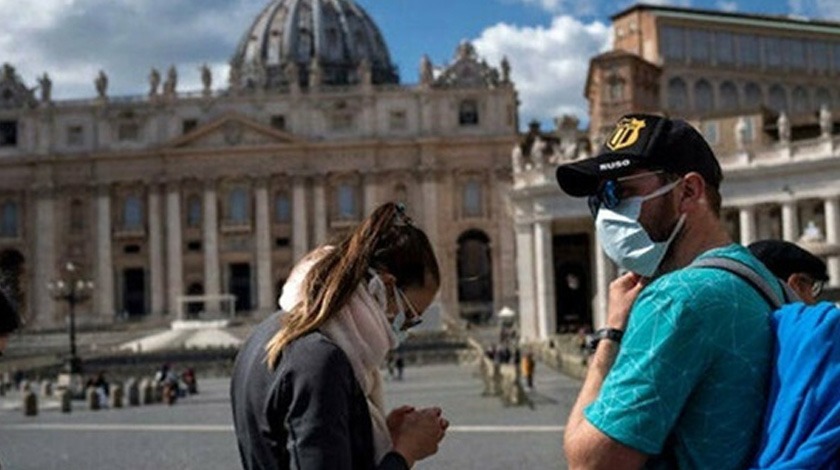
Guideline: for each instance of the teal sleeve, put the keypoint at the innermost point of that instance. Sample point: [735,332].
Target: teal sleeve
[662,358]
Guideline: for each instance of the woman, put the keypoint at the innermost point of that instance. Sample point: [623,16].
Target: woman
[306,389]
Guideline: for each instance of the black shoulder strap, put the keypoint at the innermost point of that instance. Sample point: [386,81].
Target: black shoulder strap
[750,277]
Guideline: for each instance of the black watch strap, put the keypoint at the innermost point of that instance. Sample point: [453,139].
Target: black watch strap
[612,334]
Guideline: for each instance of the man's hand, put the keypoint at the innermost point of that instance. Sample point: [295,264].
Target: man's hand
[623,292]
[395,419]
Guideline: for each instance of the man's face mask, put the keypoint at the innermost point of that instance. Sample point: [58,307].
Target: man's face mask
[620,233]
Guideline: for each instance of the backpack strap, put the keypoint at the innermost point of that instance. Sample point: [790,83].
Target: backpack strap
[751,277]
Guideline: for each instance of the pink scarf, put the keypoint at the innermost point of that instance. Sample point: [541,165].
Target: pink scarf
[362,331]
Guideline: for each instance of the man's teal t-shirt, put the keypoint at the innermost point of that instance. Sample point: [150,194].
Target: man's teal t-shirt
[690,381]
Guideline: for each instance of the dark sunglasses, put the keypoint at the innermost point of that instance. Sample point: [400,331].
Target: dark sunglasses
[609,193]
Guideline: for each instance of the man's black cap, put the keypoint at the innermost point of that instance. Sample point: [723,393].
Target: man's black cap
[643,141]
[784,258]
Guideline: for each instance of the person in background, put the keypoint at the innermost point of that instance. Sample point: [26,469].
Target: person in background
[306,390]
[805,273]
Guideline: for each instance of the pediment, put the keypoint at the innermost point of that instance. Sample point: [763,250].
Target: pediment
[232,130]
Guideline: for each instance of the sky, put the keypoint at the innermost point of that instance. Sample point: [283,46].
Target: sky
[548,42]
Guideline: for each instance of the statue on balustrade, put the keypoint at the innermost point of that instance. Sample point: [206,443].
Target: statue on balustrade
[826,122]
[101,84]
[783,124]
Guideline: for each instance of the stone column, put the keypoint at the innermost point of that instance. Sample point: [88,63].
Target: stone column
[544,274]
[265,296]
[370,182]
[832,237]
[319,199]
[525,275]
[43,306]
[300,222]
[174,247]
[430,209]
[212,279]
[104,288]
[747,221]
[790,221]
[604,274]
[156,251]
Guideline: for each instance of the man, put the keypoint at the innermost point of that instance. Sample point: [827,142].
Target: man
[9,321]
[679,377]
[803,272]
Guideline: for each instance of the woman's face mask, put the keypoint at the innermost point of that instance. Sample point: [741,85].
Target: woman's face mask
[406,315]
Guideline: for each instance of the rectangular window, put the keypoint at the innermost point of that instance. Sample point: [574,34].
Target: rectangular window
[835,53]
[75,136]
[346,202]
[398,121]
[724,48]
[820,56]
[748,51]
[795,53]
[472,199]
[342,122]
[278,121]
[8,133]
[282,209]
[701,45]
[672,43]
[128,132]
[773,52]
[188,125]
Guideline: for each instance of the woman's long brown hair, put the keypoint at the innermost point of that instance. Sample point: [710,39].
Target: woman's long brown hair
[385,241]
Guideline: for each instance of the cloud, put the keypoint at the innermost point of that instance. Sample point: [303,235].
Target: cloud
[73,39]
[548,64]
[578,7]
[727,6]
[823,9]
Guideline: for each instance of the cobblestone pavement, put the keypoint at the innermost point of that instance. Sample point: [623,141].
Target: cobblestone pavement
[196,433]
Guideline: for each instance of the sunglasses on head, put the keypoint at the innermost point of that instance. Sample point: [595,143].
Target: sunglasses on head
[609,193]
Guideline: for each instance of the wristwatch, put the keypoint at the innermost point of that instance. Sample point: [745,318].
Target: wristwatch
[612,334]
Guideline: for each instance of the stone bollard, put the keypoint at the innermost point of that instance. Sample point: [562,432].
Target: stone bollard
[133,392]
[147,392]
[66,400]
[46,388]
[116,398]
[30,402]
[92,398]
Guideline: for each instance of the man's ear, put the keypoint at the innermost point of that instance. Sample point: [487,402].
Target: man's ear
[694,192]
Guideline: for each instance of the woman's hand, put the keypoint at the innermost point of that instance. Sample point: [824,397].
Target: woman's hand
[419,432]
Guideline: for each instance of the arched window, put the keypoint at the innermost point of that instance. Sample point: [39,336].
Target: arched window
[728,96]
[475,276]
[282,208]
[704,99]
[468,113]
[194,211]
[677,94]
[11,220]
[347,206]
[77,216]
[753,97]
[133,213]
[823,97]
[778,98]
[801,104]
[472,199]
[238,199]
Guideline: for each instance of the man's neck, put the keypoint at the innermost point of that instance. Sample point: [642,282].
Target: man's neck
[693,241]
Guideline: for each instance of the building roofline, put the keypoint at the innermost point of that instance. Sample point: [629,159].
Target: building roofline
[729,17]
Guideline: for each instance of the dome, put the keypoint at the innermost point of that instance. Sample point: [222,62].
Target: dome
[331,42]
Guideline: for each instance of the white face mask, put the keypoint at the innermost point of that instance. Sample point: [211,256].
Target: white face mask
[378,290]
[626,242]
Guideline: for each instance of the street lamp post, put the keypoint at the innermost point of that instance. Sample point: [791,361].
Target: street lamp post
[72,288]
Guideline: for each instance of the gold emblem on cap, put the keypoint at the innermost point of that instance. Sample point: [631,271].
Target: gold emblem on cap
[626,133]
